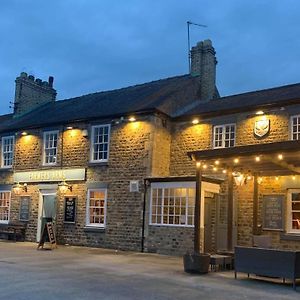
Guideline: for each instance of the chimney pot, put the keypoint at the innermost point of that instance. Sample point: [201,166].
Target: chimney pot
[31,77]
[23,74]
[50,81]
[38,81]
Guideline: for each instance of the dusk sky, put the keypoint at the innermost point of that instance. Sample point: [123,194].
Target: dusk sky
[96,45]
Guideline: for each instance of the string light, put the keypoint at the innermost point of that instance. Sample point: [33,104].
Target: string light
[198,164]
[276,178]
[217,162]
[236,160]
[280,156]
[204,166]
[215,169]
[224,171]
[257,158]
[294,177]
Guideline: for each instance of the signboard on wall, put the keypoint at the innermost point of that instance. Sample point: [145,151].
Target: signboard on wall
[24,208]
[51,175]
[273,212]
[70,210]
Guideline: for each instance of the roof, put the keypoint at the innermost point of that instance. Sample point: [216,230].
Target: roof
[278,96]
[166,95]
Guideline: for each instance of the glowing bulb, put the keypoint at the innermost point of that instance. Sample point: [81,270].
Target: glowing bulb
[204,166]
[277,178]
[132,119]
[198,164]
[195,121]
[215,169]
[294,177]
[24,133]
[257,158]
[236,160]
[224,171]
[217,162]
[259,113]
[280,156]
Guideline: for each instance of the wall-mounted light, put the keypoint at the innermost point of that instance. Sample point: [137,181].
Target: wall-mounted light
[69,127]
[195,121]
[64,187]
[24,133]
[260,113]
[18,188]
[132,119]
[84,133]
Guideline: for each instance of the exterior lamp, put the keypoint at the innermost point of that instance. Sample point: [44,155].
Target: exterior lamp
[260,113]
[132,119]
[64,187]
[239,178]
[294,177]
[198,164]
[69,127]
[17,187]
[24,133]
[195,121]
[280,156]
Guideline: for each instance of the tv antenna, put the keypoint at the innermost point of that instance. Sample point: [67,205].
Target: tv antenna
[189,43]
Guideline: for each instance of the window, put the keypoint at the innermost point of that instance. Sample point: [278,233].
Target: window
[96,208]
[293,211]
[172,204]
[100,143]
[50,147]
[4,207]
[224,136]
[7,155]
[295,127]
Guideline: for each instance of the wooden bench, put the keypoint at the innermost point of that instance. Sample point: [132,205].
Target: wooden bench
[268,262]
[13,231]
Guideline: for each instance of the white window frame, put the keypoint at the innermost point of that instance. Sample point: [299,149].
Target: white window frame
[289,211]
[87,221]
[44,147]
[10,137]
[223,135]
[6,221]
[291,128]
[92,160]
[166,185]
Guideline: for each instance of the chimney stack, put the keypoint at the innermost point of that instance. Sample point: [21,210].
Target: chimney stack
[30,93]
[203,64]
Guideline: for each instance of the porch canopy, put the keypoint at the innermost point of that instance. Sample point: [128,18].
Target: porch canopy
[268,159]
[272,159]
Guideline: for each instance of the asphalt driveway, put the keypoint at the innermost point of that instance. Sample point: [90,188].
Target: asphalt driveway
[89,273]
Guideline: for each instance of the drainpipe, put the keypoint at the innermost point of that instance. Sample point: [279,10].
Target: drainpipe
[146,184]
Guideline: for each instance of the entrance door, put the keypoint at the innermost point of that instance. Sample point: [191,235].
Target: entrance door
[47,209]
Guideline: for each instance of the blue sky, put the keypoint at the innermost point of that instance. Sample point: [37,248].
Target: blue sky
[95,45]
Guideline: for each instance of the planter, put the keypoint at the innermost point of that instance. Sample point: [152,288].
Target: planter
[196,263]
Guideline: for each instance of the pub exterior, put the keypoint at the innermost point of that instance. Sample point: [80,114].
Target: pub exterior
[121,169]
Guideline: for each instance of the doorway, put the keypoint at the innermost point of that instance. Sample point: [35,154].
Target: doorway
[209,222]
[47,210]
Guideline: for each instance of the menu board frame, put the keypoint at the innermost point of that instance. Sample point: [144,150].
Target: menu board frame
[67,218]
[22,210]
[279,200]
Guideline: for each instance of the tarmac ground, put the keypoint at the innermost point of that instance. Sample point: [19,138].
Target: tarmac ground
[91,273]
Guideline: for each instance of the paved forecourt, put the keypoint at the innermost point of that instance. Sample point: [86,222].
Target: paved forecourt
[89,273]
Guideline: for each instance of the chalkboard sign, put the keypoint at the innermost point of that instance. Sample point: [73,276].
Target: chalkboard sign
[48,236]
[24,208]
[70,210]
[273,212]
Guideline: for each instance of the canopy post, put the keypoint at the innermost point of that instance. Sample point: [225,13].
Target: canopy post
[197,229]
[230,211]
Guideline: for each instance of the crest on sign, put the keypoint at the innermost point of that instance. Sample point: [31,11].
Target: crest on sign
[262,127]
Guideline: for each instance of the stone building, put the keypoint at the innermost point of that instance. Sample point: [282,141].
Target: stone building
[116,169]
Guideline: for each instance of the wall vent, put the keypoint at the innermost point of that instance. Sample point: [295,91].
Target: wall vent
[134,186]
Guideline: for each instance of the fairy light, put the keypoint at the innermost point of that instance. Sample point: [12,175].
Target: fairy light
[236,160]
[280,156]
[257,158]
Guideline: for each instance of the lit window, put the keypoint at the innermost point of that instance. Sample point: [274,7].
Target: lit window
[96,208]
[4,207]
[293,211]
[100,143]
[50,147]
[295,127]
[7,151]
[224,136]
[172,205]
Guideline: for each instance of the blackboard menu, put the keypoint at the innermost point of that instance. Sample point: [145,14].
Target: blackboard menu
[24,208]
[273,212]
[70,210]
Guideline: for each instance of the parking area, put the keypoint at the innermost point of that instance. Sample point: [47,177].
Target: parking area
[89,273]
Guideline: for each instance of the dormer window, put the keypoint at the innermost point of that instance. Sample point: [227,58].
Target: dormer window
[224,136]
[50,147]
[100,143]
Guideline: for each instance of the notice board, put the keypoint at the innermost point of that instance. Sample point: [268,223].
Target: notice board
[70,210]
[273,212]
[24,208]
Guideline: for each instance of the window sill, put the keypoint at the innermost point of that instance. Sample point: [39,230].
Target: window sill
[292,236]
[98,164]
[6,169]
[93,229]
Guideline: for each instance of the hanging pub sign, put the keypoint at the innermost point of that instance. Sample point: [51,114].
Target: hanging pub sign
[261,127]
[24,208]
[70,210]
